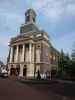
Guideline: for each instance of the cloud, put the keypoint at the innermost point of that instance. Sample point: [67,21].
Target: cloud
[55,9]
[65,42]
[9,21]
[4,48]
[57,17]
[4,41]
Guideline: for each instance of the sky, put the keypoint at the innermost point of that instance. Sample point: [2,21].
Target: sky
[56,17]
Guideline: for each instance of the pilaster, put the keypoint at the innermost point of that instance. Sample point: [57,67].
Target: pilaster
[30,48]
[23,52]
[21,70]
[11,54]
[17,53]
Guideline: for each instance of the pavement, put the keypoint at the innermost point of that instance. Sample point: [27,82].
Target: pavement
[14,90]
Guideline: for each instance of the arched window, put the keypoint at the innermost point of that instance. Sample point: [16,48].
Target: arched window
[17,69]
[27,18]
[25,70]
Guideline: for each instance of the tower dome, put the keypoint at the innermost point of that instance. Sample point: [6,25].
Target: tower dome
[30,16]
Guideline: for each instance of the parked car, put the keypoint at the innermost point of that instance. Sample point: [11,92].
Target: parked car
[4,73]
[43,76]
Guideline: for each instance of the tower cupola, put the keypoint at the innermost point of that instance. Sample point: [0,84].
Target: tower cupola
[30,16]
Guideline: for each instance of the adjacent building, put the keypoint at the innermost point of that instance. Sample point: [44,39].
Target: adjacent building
[31,50]
[1,64]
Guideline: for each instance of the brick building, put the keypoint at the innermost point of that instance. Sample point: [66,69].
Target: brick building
[31,50]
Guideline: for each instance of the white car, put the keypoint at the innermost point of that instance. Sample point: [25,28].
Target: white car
[43,76]
[4,73]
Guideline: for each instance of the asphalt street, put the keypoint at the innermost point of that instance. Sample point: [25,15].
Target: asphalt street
[14,90]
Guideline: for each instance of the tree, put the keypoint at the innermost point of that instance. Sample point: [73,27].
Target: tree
[73,52]
[61,64]
[66,62]
[66,65]
[73,62]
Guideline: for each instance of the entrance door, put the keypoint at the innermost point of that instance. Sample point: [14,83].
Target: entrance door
[13,71]
[25,70]
[17,69]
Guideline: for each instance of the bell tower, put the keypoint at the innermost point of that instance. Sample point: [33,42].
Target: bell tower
[30,16]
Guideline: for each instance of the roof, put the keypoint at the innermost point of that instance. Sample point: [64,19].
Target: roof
[30,10]
[28,27]
[55,50]
[1,63]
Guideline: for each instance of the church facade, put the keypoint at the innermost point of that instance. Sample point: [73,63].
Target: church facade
[31,50]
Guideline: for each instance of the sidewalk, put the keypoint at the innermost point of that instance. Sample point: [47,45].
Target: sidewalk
[35,81]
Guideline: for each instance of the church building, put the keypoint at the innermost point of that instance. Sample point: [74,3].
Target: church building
[31,50]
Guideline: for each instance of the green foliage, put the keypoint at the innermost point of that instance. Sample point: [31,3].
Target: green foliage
[72,68]
[73,52]
[66,66]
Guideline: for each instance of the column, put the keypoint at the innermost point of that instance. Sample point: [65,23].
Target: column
[9,67]
[17,51]
[30,47]
[23,52]
[11,54]
[33,53]
[21,70]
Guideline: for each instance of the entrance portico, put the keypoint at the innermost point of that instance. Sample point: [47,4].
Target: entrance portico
[21,56]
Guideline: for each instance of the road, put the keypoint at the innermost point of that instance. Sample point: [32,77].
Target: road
[14,90]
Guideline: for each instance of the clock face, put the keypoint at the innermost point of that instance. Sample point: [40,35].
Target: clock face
[38,46]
